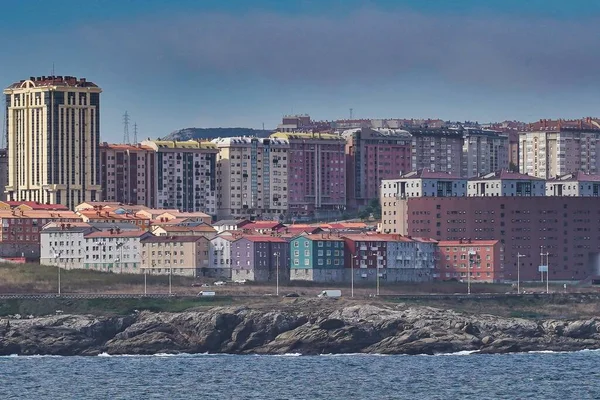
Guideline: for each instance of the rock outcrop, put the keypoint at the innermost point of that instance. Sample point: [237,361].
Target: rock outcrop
[295,328]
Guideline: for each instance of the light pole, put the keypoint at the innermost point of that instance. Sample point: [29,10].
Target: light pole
[545,267]
[170,274]
[277,272]
[354,258]
[519,255]
[117,261]
[377,272]
[471,255]
[145,281]
[56,257]
[120,247]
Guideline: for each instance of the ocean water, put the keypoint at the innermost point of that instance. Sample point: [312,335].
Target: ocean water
[457,376]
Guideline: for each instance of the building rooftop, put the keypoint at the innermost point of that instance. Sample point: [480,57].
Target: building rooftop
[358,237]
[53,81]
[307,136]
[441,132]
[578,176]
[188,228]
[123,147]
[116,233]
[263,238]
[187,144]
[262,225]
[584,124]
[224,222]
[377,133]
[124,226]
[68,227]
[245,141]
[172,239]
[467,242]
[503,174]
[425,173]
[324,236]
[35,205]
[47,214]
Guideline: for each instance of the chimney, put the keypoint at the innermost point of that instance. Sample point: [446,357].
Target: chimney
[107,213]
[62,226]
[68,226]
[118,230]
[98,213]
[112,231]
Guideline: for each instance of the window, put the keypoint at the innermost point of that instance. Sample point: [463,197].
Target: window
[320,244]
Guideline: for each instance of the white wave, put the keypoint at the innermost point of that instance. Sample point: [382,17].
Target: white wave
[459,353]
[356,354]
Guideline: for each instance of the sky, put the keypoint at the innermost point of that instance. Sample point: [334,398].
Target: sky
[240,63]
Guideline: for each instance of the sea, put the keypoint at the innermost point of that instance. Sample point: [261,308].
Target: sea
[461,376]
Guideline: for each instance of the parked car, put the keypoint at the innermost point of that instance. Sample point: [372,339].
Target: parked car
[240,281]
[292,295]
[330,293]
[220,283]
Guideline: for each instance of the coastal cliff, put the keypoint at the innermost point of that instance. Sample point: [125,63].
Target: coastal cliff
[296,327]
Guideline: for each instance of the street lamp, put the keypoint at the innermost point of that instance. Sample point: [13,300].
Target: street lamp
[471,255]
[519,255]
[56,257]
[120,246]
[354,258]
[277,272]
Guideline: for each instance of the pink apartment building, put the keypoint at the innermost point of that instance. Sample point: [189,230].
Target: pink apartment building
[374,155]
[316,173]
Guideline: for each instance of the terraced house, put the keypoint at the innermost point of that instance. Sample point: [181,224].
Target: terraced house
[318,258]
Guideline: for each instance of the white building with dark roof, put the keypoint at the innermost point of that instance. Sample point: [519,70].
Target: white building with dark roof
[574,184]
[505,183]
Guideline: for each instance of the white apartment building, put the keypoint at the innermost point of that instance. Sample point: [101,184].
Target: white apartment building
[504,183]
[220,256]
[63,244]
[252,177]
[556,148]
[574,184]
[185,175]
[114,251]
[424,183]
[484,151]
[53,131]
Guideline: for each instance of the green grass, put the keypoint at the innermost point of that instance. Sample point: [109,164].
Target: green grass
[39,307]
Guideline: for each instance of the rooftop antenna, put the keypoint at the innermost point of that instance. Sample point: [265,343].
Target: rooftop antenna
[126,128]
[351,113]
[135,132]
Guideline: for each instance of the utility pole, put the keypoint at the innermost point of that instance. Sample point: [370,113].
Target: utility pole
[544,267]
[277,272]
[135,133]
[469,264]
[519,255]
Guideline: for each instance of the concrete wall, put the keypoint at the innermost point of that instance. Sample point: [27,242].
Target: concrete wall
[319,275]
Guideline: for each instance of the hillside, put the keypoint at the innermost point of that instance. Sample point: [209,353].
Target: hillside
[211,133]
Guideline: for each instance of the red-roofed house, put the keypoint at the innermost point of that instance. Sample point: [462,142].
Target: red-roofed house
[260,258]
[31,205]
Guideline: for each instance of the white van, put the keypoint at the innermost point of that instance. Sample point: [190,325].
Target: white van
[204,293]
[330,293]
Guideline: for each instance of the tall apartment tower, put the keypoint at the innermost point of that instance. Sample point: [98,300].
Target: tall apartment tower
[437,149]
[128,174]
[553,148]
[252,177]
[185,175]
[374,155]
[53,126]
[316,174]
[484,151]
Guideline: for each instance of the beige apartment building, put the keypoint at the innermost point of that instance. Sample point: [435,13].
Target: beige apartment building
[553,148]
[185,175]
[252,177]
[53,129]
[176,255]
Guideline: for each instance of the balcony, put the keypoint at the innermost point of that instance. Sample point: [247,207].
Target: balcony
[374,248]
[363,248]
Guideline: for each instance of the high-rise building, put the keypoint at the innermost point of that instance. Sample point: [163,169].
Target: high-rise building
[316,174]
[553,148]
[484,151]
[252,178]
[53,126]
[437,149]
[128,174]
[3,173]
[374,155]
[185,175]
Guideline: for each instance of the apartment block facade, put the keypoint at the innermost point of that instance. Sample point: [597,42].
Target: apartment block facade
[566,227]
[316,174]
[372,156]
[437,149]
[53,130]
[574,184]
[317,258]
[260,258]
[484,151]
[186,174]
[478,260]
[554,148]
[504,183]
[128,174]
[175,255]
[252,177]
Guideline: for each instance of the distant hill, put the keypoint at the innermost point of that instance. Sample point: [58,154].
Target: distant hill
[212,133]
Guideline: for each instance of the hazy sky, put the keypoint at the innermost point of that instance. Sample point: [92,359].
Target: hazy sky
[226,63]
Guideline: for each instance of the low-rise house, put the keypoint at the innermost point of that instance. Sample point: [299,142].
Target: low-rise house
[317,258]
[368,253]
[220,256]
[261,227]
[63,244]
[195,229]
[482,258]
[20,230]
[228,225]
[260,258]
[109,216]
[114,250]
[176,255]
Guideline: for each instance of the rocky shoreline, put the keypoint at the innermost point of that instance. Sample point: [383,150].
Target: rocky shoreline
[328,327]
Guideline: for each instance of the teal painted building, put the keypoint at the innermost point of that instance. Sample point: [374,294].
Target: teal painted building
[318,257]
